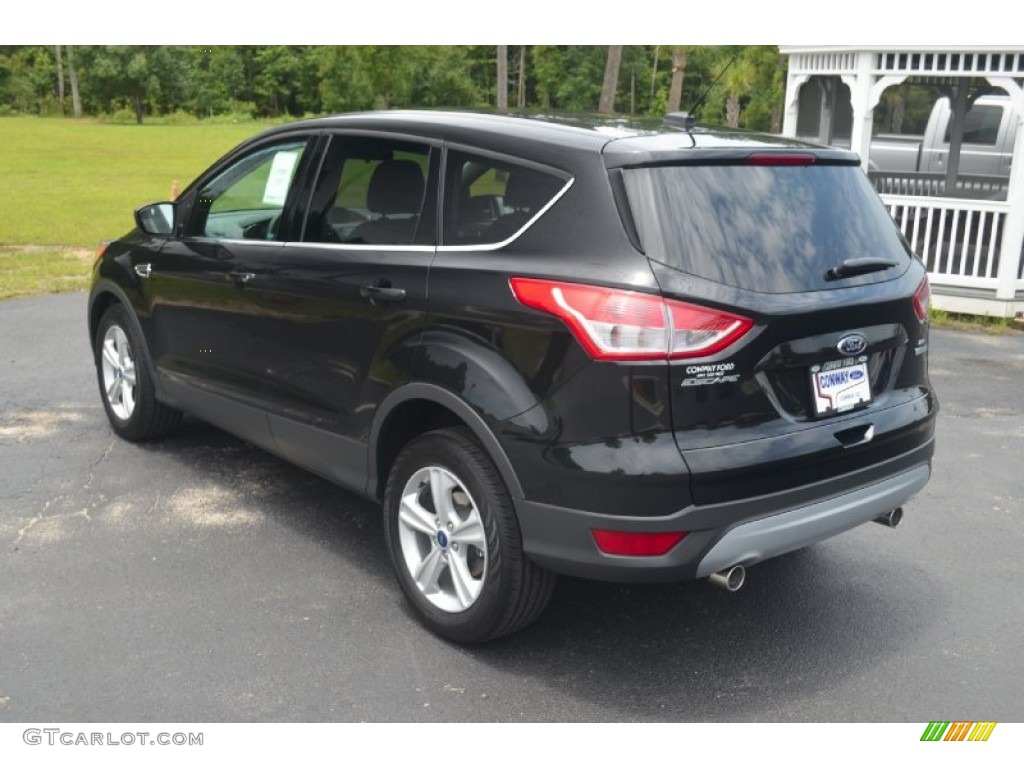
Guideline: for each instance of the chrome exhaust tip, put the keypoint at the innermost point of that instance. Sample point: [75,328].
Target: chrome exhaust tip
[731,579]
[891,519]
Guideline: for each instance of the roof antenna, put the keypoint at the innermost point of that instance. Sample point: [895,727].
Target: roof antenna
[686,120]
[700,102]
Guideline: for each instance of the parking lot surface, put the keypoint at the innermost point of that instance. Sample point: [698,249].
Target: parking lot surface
[200,579]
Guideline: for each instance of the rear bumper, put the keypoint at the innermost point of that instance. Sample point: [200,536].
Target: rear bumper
[767,537]
[722,535]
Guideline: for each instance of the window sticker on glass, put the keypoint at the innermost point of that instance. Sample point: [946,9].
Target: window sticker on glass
[280,177]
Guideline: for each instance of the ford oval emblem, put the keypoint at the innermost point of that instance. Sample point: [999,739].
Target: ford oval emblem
[856,375]
[853,344]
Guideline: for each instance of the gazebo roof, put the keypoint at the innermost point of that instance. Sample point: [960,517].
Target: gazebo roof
[968,226]
[922,60]
[789,49]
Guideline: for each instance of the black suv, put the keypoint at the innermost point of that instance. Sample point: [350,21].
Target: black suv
[546,346]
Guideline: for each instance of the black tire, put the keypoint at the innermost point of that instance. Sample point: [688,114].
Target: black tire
[510,590]
[132,408]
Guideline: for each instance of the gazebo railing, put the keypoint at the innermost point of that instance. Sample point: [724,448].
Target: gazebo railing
[970,186]
[958,240]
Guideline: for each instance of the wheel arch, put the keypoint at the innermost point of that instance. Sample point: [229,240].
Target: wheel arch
[105,294]
[420,407]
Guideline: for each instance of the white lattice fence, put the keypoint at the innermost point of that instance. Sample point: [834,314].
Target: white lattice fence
[957,240]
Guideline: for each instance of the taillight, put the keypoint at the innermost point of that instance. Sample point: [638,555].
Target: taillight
[699,331]
[614,324]
[636,544]
[922,300]
[781,158]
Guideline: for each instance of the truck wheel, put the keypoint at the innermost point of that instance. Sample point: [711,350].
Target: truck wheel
[454,541]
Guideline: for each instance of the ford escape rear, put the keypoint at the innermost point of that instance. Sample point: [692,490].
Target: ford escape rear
[545,347]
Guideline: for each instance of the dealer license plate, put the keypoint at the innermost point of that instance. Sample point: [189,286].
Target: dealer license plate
[839,386]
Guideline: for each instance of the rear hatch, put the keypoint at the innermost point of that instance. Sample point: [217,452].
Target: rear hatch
[832,376]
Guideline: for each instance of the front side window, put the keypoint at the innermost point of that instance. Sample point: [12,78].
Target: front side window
[247,199]
[487,200]
[371,191]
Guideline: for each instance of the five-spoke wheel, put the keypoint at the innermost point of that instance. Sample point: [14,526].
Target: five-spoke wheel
[442,539]
[118,368]
[125,384]
[452,533]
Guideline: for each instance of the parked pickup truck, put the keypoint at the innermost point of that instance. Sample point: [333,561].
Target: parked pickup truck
[990,127]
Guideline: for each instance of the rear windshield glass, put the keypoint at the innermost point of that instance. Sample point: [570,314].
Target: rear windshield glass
[773,229]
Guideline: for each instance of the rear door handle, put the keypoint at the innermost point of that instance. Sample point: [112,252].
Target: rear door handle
[382,292]
[143,270]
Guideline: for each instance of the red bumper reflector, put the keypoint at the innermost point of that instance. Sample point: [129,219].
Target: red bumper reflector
[636,544]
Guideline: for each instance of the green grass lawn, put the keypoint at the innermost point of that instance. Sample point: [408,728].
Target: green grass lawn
[73,184]
[31,271]
[76,183]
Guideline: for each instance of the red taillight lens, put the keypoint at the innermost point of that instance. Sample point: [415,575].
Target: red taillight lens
[922,300]
[614,324]
[636,544]
[699,331]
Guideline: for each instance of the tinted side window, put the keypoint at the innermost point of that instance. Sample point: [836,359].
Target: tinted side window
[371,192]
[246,200]
[489,200]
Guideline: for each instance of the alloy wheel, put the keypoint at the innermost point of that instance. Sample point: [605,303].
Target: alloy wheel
[442,539]
[119,379]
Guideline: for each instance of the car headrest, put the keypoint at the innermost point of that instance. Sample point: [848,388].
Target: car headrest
[528,189]
[395,187]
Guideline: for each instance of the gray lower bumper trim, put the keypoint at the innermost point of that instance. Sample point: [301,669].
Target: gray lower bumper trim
[758,540]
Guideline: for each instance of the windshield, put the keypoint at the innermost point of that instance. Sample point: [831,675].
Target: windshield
[768,228]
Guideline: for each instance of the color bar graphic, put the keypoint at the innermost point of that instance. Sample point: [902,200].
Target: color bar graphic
[958,731]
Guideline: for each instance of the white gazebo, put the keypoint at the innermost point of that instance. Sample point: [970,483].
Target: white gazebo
[969,230]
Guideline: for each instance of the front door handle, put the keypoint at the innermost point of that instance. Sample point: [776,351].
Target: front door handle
[143,270]
[382,292]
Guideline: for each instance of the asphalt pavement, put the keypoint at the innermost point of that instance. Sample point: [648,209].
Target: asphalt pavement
[200,579]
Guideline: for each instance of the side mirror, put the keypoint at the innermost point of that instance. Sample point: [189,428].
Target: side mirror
[156,218]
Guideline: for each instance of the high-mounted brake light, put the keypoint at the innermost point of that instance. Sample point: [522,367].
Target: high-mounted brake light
[636,544]
[619,325]
[922,300]
[781,158]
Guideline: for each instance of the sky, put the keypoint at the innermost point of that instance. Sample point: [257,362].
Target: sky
[792,22]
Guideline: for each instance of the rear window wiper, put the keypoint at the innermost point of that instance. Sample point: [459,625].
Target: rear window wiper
[854,267]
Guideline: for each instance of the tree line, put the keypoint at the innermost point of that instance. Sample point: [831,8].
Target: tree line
[739,86]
